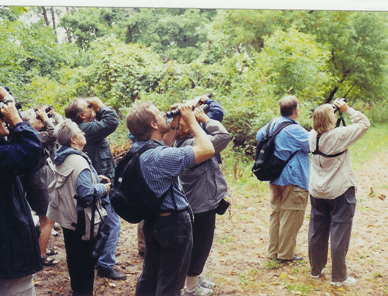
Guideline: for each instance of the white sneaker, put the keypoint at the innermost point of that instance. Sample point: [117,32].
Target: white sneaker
[54,233]
[348,282]
[204,283]
[314,276]
[198,291]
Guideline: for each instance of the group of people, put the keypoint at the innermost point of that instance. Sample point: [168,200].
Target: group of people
[67,170]
[328,180]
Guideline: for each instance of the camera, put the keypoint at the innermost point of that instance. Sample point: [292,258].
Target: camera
[175,112]
[47,110]
[335,107]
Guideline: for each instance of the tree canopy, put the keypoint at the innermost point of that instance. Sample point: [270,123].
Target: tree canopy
[248,59]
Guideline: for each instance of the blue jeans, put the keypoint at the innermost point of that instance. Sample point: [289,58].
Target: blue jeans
[169,240]
[108,257]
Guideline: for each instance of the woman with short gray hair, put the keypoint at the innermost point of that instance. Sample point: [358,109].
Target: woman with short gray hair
[74,186]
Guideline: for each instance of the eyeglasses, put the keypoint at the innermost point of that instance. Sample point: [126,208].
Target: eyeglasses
[90,105]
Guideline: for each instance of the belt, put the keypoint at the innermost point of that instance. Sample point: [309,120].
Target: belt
[170,212]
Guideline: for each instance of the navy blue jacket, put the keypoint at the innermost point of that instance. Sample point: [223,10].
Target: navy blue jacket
[19,248]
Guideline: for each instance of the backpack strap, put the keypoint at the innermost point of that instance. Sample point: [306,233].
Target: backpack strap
[316,151]
[277,130]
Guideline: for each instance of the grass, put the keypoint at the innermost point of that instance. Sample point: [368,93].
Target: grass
[374,141]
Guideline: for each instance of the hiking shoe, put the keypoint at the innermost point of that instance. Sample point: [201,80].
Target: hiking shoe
[348,282]
[204,283]
[294,258]
[112,274]
[198,291]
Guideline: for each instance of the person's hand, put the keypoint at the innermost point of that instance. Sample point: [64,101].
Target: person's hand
[52,112]
[200,115]
[42,115]
[96,103]
[341,104]
[3,93]
[10,113]
[187,114]
[103,179]
[107,187]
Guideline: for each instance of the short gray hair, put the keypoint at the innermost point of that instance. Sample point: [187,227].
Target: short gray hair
[29,115]
[288,105]
[65,131]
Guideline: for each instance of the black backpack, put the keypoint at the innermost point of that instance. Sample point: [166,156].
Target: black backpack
[267,166]
[131,197]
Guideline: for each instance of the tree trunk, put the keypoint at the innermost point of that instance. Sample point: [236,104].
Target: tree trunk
[331,96]
[45,16]
[53,16]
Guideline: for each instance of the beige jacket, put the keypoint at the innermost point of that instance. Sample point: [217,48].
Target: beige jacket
[331,177]
[63,206]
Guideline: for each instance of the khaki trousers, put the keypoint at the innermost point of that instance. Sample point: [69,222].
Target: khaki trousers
[288,206]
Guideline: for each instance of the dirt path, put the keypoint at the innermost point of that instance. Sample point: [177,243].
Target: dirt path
[238,261]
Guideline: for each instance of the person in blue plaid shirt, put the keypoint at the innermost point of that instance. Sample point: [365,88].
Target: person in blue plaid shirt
[168,236]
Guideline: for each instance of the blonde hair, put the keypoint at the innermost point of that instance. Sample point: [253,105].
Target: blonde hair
[183,130]
[324,119]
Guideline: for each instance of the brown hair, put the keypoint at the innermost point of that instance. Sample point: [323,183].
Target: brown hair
[288,105]
[139,120]
[73,111]
[323,119]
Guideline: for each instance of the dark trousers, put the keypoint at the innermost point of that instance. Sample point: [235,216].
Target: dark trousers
[79,263]
[203,233]
[168,244]
[331,218]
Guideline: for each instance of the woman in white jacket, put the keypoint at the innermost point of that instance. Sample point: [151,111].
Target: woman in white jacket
[332,189]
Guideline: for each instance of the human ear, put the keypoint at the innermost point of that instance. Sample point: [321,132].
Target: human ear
[154,125]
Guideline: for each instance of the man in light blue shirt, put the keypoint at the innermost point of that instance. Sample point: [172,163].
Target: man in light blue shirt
[289,193]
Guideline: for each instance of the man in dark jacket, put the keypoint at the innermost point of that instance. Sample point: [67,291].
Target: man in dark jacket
[19,248]
[98,121]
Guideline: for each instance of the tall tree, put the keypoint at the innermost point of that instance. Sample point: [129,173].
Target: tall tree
[44,12]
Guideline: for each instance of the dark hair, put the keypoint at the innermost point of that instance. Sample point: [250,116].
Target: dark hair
[288,105]
[139,120]
[73,111]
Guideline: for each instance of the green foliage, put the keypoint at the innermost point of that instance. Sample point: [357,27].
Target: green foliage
[43,91]
[12,13]
[85,25]
[121,71]
[28,51]
[358,45]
